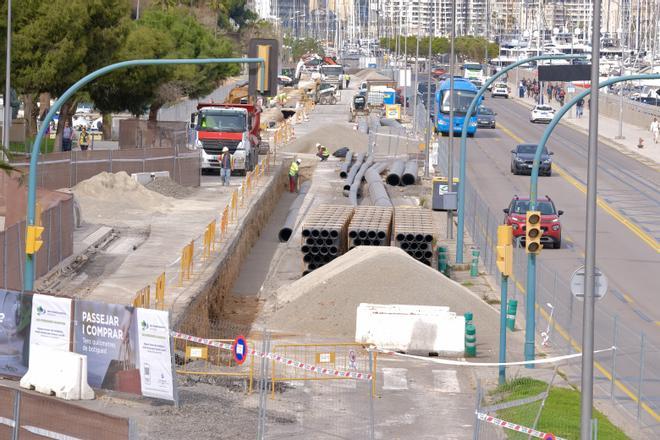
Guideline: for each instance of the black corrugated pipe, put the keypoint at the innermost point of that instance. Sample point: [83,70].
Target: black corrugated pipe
[343,171]
[395,172]
[357,181]
[290,222]
[409,176]
[359,160]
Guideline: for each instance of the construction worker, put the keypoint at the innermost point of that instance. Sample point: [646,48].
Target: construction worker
[293,175]
[225,166]
[322,152]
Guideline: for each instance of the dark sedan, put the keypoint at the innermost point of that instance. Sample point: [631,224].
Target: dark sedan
[522,159]
[486,118]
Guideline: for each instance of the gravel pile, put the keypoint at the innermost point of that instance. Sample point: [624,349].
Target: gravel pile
[333,136]
[168,187]
[324,303]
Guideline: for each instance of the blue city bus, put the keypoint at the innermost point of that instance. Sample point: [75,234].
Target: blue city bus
[464,92]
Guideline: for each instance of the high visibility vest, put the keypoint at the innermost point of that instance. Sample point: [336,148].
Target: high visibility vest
[293,171]
[325,152]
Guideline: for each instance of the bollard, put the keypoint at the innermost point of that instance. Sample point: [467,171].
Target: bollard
[511,310]
[474,266]
[442,259]
[468,318]
[470,341]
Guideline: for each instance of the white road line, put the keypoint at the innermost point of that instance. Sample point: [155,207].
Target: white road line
[395,379]
[446,381]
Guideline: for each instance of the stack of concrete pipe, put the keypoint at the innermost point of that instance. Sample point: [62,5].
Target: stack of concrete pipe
[370,226]
[290,221]
[324,235]
[414,232]
[402,173]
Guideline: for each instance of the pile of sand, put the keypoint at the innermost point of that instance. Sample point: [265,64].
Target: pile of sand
[324,303]
[168,187]
[370,74]
[109,195]
[333,136]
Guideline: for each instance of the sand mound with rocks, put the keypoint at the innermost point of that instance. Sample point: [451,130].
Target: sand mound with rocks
[108,195]
[169,188]
[324,303]
[333,136]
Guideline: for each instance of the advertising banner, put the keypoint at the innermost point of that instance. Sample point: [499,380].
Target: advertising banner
[107,334]
[155,354]
[51,322]
[15,310]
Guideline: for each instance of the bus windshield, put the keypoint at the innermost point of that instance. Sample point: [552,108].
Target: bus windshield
[462,100]
[472,67]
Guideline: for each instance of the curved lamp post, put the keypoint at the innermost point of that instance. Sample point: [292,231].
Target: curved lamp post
[460,232]
[28,277]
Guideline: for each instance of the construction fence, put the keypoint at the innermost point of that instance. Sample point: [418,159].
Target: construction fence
[628,376]
[24,415]
[57,245]
[140,133]
[67,169]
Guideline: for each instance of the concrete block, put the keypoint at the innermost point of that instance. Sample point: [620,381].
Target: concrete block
[144,178]
[59,373]
[411,328]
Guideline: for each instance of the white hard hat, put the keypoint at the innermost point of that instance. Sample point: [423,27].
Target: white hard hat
[318,144]
[298,160]
[225,150]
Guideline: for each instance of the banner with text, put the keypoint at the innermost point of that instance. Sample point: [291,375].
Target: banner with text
[155,355]
[15,310]
[51,322]
[107,334]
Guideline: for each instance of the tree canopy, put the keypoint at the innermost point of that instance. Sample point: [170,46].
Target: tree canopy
[467,47]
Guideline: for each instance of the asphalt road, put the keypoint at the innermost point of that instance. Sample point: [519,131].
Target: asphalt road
[628,227]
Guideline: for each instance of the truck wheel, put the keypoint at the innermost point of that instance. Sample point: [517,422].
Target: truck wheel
[333,100]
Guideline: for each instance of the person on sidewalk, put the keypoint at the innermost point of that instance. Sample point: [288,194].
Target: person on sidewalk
[549,92]
[655,130]
[225,166]
[294,170]
[67,136]
[322,152]
[640,143]
[83,139]
[579,108]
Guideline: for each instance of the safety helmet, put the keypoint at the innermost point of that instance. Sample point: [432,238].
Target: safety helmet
[318,145]
[225,150]
[298,160]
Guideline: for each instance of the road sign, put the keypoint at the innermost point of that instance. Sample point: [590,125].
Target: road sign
[239,349]
[577,284]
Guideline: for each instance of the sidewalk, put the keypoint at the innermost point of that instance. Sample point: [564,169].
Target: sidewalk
[608,130]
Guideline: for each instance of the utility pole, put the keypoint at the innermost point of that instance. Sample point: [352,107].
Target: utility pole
[415,86]
[586,398]
[7,98]
[450,144]
[429,120]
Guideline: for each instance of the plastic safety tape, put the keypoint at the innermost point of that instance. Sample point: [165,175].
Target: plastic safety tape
[277,358]
[490,364]
[512,426]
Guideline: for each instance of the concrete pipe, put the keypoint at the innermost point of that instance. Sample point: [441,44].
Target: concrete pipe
[329,242]
[377,192]
[396,170]
[410,237]
[375,242]
[314,250]
[304,249]
[307,258]
[306,232]
[428,255]
[352,234]
[428,238]
[333,250]
[334,233]
[317,259]
[423,246]
[362,234]
[371,234]
[419,255]
[346,165]
[305,272]
[323,251]
[366,242]
[310,241]
[400,237]
[311,266]
[419,237]
[382,235]
[357,165]
[316,233]
[357,242]
[325,233]
[409,176]
[413,246]
[405,245]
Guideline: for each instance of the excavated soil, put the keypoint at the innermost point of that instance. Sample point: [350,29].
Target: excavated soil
[333,136]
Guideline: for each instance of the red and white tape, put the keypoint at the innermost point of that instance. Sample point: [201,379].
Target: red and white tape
[277,358]
[513,427]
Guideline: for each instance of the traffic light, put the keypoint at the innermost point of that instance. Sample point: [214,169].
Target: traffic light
[533,232]
[505,249]
[263,81]
[33,240]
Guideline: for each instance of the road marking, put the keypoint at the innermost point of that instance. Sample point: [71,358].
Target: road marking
[446,381]
[601,203]
[395,379]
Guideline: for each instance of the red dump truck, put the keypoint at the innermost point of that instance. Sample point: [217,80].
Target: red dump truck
[235,126]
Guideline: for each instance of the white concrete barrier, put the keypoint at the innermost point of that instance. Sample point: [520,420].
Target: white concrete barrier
[59,373]
[411,328]
[144,178]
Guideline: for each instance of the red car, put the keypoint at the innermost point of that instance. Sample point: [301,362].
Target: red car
[550,224]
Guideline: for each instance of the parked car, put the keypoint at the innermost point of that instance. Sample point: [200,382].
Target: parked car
[486,118]
[550,224]
[501,90]
[522,158]
[542,113]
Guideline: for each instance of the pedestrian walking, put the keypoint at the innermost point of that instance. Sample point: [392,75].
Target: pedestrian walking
[294,170]
[655,130]
[67,136]
[579,108]
[562,96]
[83,139]
[225,166]
[549,92]
[347,80]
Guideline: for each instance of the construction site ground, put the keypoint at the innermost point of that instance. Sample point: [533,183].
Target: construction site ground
[122,246]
